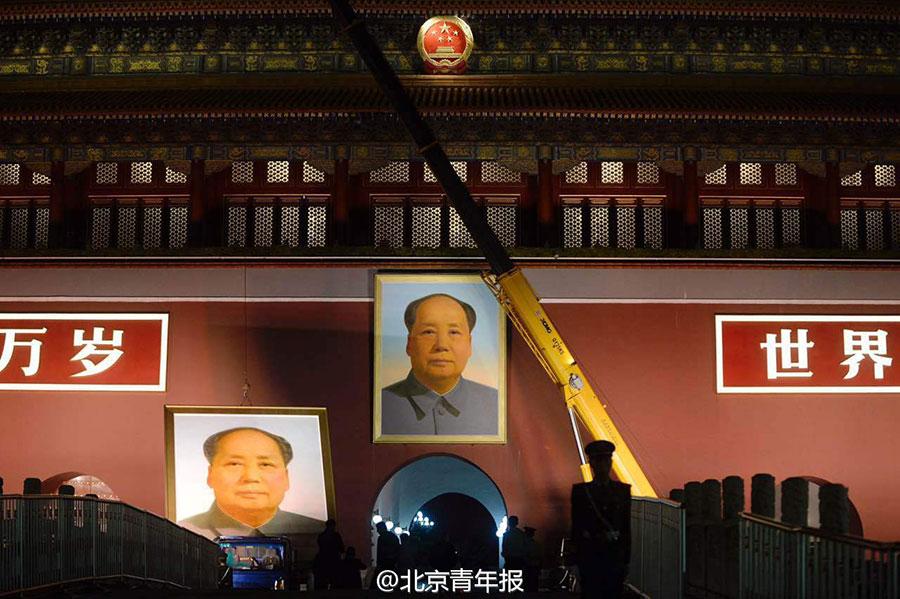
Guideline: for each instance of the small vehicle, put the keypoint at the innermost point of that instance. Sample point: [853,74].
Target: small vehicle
[255,563]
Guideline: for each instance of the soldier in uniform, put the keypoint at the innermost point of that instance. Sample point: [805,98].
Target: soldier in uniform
[601,526]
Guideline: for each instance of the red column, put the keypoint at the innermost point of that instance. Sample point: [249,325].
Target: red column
[833,203]
[691,204]
[548,226]
[57,203]
[197,179]
[340,203]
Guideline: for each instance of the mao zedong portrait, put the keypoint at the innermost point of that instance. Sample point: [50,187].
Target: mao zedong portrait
[249,477]
[435,398]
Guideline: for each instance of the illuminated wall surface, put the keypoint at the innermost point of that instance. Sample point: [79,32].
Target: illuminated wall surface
[646,336]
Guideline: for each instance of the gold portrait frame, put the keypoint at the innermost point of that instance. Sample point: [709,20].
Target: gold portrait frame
[436,281]
[324,438]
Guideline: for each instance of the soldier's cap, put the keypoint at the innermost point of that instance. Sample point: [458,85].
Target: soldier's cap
[599,448]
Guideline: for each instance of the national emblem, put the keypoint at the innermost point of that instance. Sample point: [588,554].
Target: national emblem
[445,44]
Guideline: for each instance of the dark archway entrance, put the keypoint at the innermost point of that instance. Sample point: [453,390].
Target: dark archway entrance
[430,478]
[467,525]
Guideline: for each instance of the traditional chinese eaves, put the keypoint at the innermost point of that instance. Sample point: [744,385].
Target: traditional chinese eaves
[838,9]
[453,99]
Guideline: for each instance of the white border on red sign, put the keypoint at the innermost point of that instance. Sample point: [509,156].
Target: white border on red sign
[720,377]
[163,350]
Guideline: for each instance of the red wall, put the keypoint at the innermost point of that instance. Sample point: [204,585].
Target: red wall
[653,362]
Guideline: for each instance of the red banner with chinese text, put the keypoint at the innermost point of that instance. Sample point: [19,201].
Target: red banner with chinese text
[91,352]
[807,354]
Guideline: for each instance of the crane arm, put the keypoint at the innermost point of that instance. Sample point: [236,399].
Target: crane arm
[505,280]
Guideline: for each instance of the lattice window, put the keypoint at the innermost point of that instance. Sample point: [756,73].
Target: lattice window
[41,227]
[153,217]
[173,176]
[141,172]
[460,166]
[874,230]
[39,179]
[751,173]
[316,226]
[578,173]
[765,228]
[10,173]
[790,226]
[885,175]
[612,172]
[647,173]
[854,180]
[278,171]
[311,174]
[290,225]
[600,226]
[237,226]
[717,177]
[393,172]
[126,236]
[712,228]
[178,226]
[653,227]
[107,173]
[388,226]
[459,234]
[18,228]
[100,219]
[738,219]
[502,220]
[426,226]
[263,218]
[785,173]
[494,172]
[626,229]
[895,228]
[849,230]
[242,171]
[572,223]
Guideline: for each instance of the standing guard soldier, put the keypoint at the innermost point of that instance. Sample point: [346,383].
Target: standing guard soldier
[601,527]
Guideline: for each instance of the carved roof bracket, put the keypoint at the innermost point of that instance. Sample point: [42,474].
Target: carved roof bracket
[849,168]
[705,167]
[815,168]
[529,166]
[211,167]
[563,165]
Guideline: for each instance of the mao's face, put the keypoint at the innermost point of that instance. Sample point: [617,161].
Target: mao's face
[440,343]
[248,474]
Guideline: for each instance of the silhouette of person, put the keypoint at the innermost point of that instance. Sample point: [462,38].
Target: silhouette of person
[388,548]
[532,573]
[348,571]
[513,547]
[331,546]
[601,526]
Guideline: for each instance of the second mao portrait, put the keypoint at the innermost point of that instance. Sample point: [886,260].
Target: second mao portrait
[248,471]
[440,360]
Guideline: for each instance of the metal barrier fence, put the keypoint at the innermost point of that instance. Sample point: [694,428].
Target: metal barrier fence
[50,539]
[657,547]
[777,561]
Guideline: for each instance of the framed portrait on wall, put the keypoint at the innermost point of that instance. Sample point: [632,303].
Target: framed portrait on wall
[440,360]
[248,471]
